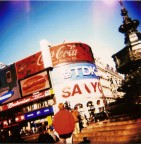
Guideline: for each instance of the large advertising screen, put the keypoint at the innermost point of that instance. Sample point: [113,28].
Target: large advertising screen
[70,53]
[35,83]
[9,88]
[29,65]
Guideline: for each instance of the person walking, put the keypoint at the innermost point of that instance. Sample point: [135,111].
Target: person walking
[64,124]
[75,115]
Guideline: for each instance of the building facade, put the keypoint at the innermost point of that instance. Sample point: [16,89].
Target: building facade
[110,81]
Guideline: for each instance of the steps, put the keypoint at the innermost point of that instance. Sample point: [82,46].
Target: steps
[106,132]
[111,132]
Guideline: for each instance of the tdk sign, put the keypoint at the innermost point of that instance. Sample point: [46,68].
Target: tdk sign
[81,71]
[77,71]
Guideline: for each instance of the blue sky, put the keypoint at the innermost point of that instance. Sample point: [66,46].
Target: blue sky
[23,24]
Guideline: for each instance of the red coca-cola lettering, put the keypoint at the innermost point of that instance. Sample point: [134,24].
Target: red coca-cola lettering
[40,60]
[70,52]
[62,52]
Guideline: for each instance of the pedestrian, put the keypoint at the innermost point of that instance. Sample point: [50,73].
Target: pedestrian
[45,137]
[80,117]
[64,124]
[54,135]
[75,115]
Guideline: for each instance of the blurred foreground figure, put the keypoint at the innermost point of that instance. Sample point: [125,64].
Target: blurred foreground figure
[64,124]
[45,137]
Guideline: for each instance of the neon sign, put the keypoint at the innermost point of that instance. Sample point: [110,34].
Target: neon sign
[37,113]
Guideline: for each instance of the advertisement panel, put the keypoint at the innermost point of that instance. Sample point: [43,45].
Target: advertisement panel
[71,53]
[25,100]
[35,83]
[38,113]
[30,65]
[9,88]
[71,72]
[78,91]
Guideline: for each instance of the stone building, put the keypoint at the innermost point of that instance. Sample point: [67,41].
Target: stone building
[110,80]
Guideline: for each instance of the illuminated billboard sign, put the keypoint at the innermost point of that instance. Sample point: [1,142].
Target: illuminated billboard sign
[73,72]
[29,65]
[35,83]
[78,91]
[38,113]
[9,87]
[26,99]
[71,52]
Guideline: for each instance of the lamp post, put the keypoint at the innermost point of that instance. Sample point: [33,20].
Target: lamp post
[128,60]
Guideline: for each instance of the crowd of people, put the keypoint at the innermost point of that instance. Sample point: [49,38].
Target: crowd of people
[66,123]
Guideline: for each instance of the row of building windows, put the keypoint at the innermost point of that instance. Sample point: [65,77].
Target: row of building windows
[110,80]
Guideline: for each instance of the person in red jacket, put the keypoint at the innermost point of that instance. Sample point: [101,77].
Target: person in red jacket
[64,124]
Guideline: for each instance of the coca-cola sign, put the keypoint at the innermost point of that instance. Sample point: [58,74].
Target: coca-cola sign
[71,52]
